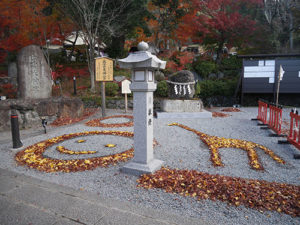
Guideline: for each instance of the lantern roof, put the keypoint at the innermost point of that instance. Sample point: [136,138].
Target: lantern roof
[142,59]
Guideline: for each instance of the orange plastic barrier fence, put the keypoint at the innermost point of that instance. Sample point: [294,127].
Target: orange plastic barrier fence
[262,111]
[294,135]
[275,118]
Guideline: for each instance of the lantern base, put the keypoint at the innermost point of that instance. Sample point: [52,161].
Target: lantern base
[138,169]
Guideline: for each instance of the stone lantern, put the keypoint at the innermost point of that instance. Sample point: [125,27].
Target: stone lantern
[143,64]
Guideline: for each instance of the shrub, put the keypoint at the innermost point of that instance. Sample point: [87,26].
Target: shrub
[162,89]
[159,76]
[197,89]
[204,68]
[58,58]
[122,72]
[211,88]
[8,90]
[231,66]
[92,100]
[111,89]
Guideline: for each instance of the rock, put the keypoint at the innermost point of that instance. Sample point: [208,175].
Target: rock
[61,107]
[30,111]
[220,75]
[31,119]
[168,105]
[197,77]
[183,76]
[13,72]
[5,80]
[34,78]
[212,75]
[159,76]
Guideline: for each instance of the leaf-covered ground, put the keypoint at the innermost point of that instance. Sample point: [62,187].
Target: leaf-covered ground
[257,194]
[219,114]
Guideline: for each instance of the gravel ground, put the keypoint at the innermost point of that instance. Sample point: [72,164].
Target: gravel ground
[178,148]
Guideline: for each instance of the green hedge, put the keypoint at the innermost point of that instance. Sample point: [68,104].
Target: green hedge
[204,68]
[231,66]
[111,89]
[209,88]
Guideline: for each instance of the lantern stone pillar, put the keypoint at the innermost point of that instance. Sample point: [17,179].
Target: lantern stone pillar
[143,65]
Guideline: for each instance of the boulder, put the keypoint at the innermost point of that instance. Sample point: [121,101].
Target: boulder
[159,76]
[182,85]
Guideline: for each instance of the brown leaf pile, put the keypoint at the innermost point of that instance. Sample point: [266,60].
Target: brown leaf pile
[98,123]
[256,194]
[68,120]
[231,109]
[219,114]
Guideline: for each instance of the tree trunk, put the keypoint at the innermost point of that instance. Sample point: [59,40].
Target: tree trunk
[92,75]
[73,47]
[91,65]
[291,31]
[117,46]
[219,52]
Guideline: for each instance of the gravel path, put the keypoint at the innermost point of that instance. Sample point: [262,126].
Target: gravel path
[178,148]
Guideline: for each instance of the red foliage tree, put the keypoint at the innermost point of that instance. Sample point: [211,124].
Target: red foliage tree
[215,23]
[24,22]
[178,60]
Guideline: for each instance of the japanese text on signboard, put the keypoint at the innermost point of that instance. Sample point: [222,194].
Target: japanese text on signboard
[104,69]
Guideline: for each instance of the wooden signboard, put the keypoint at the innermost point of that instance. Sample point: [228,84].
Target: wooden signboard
[125,87]
[104,69]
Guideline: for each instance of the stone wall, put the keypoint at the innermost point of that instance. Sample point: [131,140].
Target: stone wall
[30,111]
[118,104]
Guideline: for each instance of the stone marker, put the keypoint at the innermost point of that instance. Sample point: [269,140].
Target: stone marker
[143,65]
[34,77]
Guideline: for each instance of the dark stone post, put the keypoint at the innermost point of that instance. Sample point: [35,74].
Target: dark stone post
[15,129]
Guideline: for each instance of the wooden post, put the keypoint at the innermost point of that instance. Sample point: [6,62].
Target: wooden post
[126,103]
[280,75]
[103,106]
[277,93]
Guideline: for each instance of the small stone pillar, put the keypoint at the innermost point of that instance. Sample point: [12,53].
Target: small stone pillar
[143,65]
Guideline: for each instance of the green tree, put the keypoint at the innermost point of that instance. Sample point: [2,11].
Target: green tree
[125,23]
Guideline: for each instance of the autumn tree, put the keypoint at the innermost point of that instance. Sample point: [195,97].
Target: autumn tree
[216,23]
[164,20]
[24,22]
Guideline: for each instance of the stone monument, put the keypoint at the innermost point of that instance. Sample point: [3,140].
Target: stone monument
[34,77]
[143,65]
